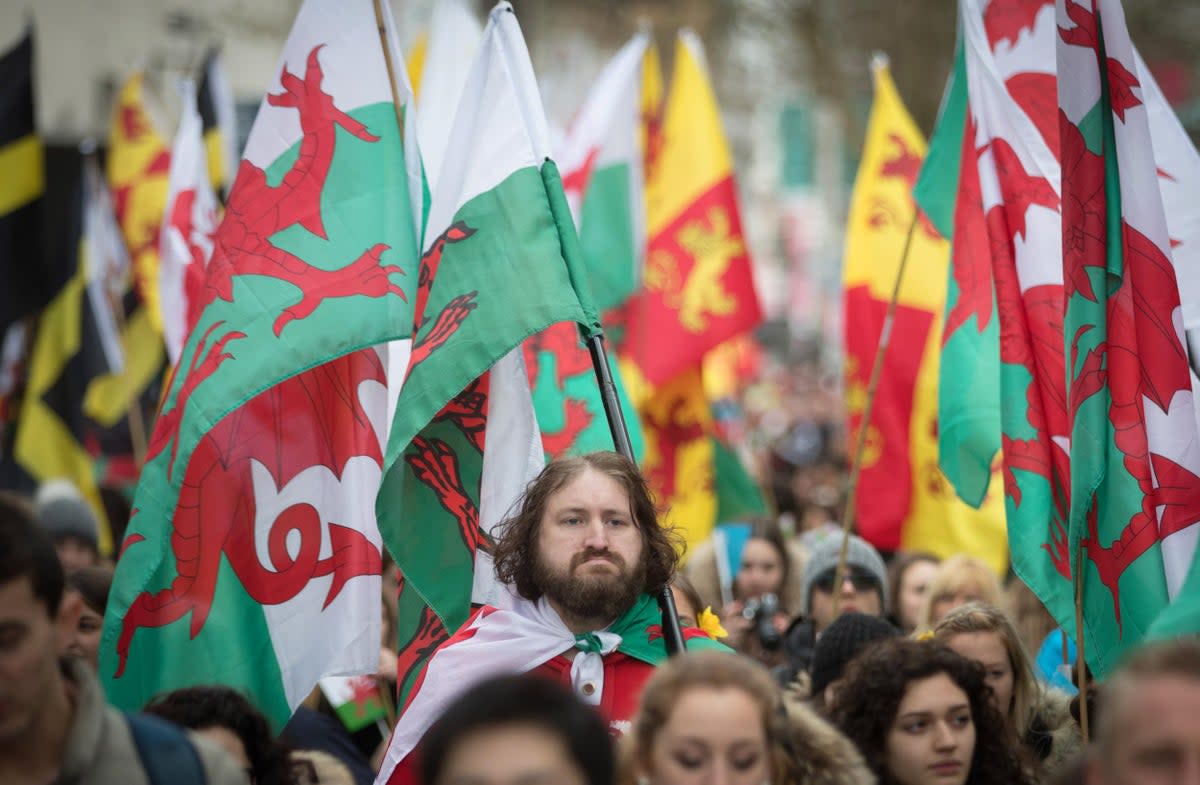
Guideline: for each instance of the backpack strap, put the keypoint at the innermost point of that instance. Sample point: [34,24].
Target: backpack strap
[167,754]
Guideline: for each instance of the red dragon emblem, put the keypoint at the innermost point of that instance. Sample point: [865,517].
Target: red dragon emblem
[560,340]
[215,514]
[257,210]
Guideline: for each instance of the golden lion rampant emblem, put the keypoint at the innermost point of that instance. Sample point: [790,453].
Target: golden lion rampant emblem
[701,295]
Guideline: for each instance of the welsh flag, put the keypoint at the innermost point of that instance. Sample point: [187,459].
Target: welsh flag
[188,226]
[1007,238]
[698,285]
[501,263]
[1135,451]
[253,557]
[357,700]
[602,176]
[969,372]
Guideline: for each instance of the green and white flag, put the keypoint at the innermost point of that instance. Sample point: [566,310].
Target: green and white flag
[603,179]
[253,556]
[500,264]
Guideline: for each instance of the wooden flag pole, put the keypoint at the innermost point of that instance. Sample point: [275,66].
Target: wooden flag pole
[391,68]
[885,337]
[1081,679]
[672,632]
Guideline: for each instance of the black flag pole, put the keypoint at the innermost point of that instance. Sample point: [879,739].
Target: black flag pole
[672,631]
[592,333]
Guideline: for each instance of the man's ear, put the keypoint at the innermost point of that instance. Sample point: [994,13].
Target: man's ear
[69,611]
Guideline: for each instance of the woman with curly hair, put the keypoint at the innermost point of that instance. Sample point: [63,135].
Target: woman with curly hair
[1039,718]
[922,715]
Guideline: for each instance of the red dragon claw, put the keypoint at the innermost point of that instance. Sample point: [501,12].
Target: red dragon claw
[448,322]
[468,411]
[436,465]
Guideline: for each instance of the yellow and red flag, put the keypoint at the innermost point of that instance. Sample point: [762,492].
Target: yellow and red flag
[698,288]
[139,161]
[903,501]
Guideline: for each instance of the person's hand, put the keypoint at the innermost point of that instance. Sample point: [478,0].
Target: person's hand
[736,624]
[387,664]
[780,622]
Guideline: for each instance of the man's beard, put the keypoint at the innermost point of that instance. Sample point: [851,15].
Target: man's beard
[594,596]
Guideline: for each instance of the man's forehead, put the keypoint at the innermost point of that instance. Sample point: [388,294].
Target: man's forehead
[17,599]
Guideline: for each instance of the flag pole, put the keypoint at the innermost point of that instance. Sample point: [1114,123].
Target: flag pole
[592,333]
[885,337]
[1081,679]
[391,68]
[672,632]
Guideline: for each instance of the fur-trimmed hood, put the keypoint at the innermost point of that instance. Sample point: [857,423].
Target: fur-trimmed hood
[1055,739]
[822,755]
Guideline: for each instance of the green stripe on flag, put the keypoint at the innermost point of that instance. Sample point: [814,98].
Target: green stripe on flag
[937,183]
[606,234]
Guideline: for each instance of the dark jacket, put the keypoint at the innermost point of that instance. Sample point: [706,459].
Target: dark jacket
[100,748]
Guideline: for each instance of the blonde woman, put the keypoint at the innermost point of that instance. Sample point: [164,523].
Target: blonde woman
[708,717]
[959,580]
[716,717]
[1038,717]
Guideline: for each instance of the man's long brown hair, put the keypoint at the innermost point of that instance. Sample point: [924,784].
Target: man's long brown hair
[516,550]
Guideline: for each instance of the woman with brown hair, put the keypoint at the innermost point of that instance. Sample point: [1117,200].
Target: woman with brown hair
[716,718]
[909,577]
[922,715]
[1038,718]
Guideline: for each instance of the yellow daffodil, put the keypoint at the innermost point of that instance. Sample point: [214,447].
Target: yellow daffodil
[710,624]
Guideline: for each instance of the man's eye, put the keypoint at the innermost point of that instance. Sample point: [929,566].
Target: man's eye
[617,522]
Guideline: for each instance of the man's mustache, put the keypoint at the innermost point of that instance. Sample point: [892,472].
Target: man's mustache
[592,553]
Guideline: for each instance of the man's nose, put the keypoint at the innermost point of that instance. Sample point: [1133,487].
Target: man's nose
[597,535]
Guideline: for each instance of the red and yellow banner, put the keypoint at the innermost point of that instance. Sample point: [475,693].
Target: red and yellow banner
[139,162]
[902,499]
[698,287]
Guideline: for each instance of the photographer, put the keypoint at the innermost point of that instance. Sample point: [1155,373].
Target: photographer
[757,619]
[863,589]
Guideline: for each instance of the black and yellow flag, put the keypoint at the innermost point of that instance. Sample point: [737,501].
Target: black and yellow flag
[214,101]
[76,342]
[23,282]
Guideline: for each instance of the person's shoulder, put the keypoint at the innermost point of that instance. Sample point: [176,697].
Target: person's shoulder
[820,752]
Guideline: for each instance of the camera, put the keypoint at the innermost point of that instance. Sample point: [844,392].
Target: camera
[761,612]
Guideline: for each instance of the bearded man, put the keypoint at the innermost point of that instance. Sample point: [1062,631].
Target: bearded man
[584,558]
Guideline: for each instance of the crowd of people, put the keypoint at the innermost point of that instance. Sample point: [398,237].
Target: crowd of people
[908,670]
